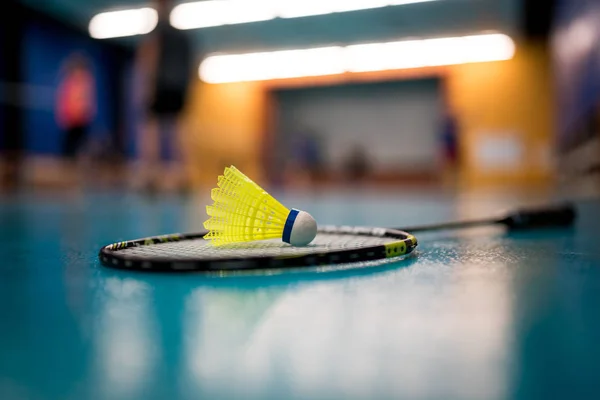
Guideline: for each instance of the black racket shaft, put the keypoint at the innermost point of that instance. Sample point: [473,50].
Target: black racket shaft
[560,216]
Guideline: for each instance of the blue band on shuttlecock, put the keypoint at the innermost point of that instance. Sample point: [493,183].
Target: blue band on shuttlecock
[289,224]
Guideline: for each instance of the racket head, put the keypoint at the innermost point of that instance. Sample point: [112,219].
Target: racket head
[333,245]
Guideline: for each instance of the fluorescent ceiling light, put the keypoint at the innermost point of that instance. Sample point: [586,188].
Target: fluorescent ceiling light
[356,58]
[223,12]
[384,56]
[304,8]
[429,52]
[355,5]
[204,14]
[273,65]
[123,23]
[405,2]
[491,47]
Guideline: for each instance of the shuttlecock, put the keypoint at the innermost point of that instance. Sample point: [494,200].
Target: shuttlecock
[242,212]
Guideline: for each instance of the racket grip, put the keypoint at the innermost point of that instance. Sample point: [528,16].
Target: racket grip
[555,217]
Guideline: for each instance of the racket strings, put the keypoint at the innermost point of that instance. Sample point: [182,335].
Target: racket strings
[201,249]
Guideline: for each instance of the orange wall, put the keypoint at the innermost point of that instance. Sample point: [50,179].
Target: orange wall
[229,123]
[506,99]
[224,126]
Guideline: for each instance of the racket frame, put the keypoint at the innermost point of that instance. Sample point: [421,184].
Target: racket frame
[404,244]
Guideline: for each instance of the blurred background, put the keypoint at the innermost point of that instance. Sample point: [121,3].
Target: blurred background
[459,94]
[362,112]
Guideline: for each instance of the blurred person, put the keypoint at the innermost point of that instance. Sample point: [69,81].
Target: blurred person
[356,164]
[450,147]
[75,108]
[12,140]
[165,62]
[306,164]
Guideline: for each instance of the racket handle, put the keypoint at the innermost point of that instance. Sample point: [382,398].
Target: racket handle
[555,217]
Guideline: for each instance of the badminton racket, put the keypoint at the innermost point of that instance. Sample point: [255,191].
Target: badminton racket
[332,245]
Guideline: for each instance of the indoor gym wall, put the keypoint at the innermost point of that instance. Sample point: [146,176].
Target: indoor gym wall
[508,101]
[397,124]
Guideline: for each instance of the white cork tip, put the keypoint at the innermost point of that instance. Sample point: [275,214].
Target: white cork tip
[304,229]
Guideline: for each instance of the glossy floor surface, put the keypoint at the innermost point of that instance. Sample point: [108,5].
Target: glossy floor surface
[479,314]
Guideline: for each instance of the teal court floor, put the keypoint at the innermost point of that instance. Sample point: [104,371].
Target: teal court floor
[479,314]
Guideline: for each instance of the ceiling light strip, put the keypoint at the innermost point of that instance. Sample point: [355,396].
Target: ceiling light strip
[205,14]
[356,58]
[113,24]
